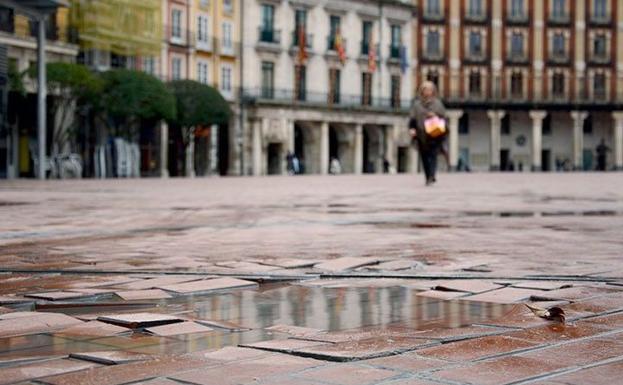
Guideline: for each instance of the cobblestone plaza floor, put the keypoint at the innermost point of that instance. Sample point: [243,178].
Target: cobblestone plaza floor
[312,280]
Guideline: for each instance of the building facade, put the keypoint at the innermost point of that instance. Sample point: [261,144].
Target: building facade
[18,133]
[327,82]
[532,84]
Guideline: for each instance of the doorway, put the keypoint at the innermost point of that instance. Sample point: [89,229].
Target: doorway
[504,160]
[403,159]
[274,158]
[546,160]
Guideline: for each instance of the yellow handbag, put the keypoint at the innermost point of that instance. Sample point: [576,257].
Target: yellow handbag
[435,127]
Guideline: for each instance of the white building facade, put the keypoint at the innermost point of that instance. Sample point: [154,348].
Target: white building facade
[327,80]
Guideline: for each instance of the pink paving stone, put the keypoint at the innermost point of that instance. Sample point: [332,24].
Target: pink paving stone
[556,332]
[289,263]
[139,320]
[232,353]
[609,373]
[348,374]
[231,326]
[604,303]
[499,371]
[134,295]
[611,321]
[583,352]
[284,346]
[178,328]
[131,372]
[9,300]
[407,362]
[152,283]
[455,334]
[345,263]
[210,285]
[522,317]
[579,292]
[249,371]
[16,374]
[542,285]
[504,295]
[296,331]
[395,265]
[415,381]
[34,323]
[470,285]
[92,329]
[440,294]
[247,266]
[476,348]
[157,381]
[57,295]
[110,357]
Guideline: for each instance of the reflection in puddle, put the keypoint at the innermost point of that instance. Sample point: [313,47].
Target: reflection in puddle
[330,309]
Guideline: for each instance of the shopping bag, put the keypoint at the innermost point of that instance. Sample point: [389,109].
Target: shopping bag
[435,127]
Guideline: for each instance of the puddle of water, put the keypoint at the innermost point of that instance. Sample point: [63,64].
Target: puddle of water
[334,309]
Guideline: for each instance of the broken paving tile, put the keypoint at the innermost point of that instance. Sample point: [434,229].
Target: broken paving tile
[209,285]
[396,265]
[33,323]
[232,327]
[35,370]
[153,283]
[247,266]
[139,320]
[557,332]
[296,331]
[440,294]
[12,300]
[289,263]
[178,329]
[92,329]
[476,348]
[345,263]
[157,381]
[349,374]
[133,295]
[542,285]
[232,353]
[58,295]
[284,346]
[505,295]
[110,357]
[469,286]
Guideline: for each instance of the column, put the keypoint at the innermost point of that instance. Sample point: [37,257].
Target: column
[164,149]
[214,166]
[497,37]
[578,138]
[290,135]
[257,148]
[538,17]
[390,147]
[324,148]
[496,117]
[41,99]
[618,140]
[453,138]
[537,117]
[455,43]
[358,149]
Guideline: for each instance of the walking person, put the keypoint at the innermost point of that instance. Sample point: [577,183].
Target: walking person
[427,108]
[602,155]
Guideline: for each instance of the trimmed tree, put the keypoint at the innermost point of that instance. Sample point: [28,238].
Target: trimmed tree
[197,105]
[130,97]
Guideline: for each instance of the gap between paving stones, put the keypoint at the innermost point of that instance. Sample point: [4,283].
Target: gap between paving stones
[564,371]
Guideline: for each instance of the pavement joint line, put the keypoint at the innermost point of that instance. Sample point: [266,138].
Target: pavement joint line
[567,370]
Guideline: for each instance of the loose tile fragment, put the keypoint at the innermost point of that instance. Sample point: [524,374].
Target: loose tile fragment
[209,285]
[114,357]
[178,329]
[133,295]
[139,320]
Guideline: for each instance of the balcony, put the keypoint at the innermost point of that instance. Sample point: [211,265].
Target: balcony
[518,19]
[331,48]
[600,20]
[176,35]
[517,58]
[269,36]
[309,39]
[394,52]
[560,19]
[600,59]
[476,17]
[433,16]
[227,48]
[204,43]
[433,57]
[559,58]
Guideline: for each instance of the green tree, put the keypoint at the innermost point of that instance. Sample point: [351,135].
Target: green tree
[130,97]
[197,105]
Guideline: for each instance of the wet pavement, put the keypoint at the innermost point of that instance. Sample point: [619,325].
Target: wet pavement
[312,280]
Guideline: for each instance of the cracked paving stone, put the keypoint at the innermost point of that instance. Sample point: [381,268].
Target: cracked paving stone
[290,263]
[505,295]
[348,374]
[152,283]
[284,346]
[58,295]
[609,373]
[580,353]
[296,331]
[557,332]
[345,263]
[232,353]
[133,295]
[92,329]
[407,362]
[114,357]
[477,348]
[178,329]
[139,320]
[469,286]
[499,371]
[36,370]
[542,285]
[157,381]
[34,323]
[209,285]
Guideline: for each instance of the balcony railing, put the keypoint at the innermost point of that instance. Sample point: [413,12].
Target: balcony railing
[394,52]
[309,39]
[288,96]
[269,35]
[517,18]
[331,43]
[204,43]
[559,18]
[178,36]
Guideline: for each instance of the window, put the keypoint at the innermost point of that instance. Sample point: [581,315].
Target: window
[600,11]
[474,83]
[300,83]
[149,65]
[559,9]
[226,79]
[367,37]
[268,22]
[268,80]
[7,22]
[396,35]
[300,26]
[176,68]
[587,128]
[334,86]
[505,127]
[517,10]
[599,46]
[202,72]
[202,29]
[464,124]
[475,44]
[475,8]
[433,8]
[432,44]
[334,28]
[366,89]
[599,86]
[547,125]
[176,23]
[228,6]
[517,48]
[558,85]
[227,37]
[395,84]
[559,45]
[517,85]
[204,3]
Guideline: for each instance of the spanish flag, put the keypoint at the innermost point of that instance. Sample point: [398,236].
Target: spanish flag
[339,47]
[302,54]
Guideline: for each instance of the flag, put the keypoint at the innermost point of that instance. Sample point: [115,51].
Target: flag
[371,56]
[404,61]
[339,47]
[302,54]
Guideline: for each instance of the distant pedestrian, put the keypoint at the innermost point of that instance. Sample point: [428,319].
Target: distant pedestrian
[427,108]
[602,155]
[290,163]
[335,167]
[386,165]
[296,165]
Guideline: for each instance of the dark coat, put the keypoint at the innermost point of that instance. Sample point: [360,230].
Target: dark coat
[419,114]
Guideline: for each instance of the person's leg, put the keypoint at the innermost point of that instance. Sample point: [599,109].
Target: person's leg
[433,152]
[424,156]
